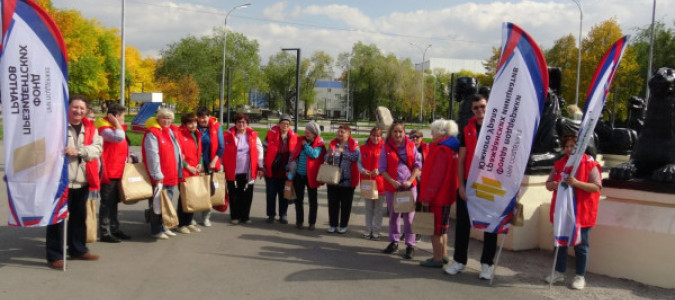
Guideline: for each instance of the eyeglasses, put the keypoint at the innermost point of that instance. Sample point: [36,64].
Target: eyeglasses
[478,107]
[416,137]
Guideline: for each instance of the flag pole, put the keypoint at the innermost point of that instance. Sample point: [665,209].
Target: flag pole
[499,253]
[555,260]
[65,239]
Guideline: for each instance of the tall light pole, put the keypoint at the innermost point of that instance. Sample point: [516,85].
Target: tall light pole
[297,83]
[222,79]
[651,52]
[581,22]
[122,58]
[424,54]
[349,71]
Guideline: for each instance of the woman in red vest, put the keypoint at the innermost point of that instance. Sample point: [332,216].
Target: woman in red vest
[368,166]
[190,140]
[439,191]
[163,161]
[343,152]
[243,161]
[280,141]
[587,184]
[303,168]
[213,146]
[400,163]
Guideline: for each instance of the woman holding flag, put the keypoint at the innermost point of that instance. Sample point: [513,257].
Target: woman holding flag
[587,184]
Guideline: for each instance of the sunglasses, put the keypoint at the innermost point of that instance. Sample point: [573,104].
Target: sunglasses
[478,107]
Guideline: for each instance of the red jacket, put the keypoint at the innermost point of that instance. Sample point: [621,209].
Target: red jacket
[190,148]
[370,159]
[167,158]
[471,140]
[587,203]
[439,175]
[114,155]
[352,147]
[392,162]
[313,164]
[91,167]
[213,136]
[273,143]
[230,154]
[424,150]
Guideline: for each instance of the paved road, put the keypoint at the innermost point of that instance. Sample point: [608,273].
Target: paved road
[273,261]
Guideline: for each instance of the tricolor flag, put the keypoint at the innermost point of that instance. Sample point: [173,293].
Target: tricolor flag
[34,84]
[566,229]
[505,140]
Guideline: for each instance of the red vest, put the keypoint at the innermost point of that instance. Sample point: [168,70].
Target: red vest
[273,143]
[587,203]
[392,162]
[470,140]
[370,159]
[352,147]
[167,158]
[91,167]
[313,164]
[446,193]
[114,155]
[424,147]
[230,154]
[191,149]
[213,136]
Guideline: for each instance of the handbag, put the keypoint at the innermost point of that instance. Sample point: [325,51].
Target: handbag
[169,216]
[369,189]
[195,194]
[135,184]
[91,221]
[423,223]
[329,173]
[404,202]
[518,218]
[218,188]
[289,190]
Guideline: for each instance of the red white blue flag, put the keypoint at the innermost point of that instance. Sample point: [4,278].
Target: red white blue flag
[566,229]
[34,84]
[505,140]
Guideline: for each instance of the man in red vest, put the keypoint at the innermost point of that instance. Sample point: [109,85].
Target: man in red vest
[468,141]
[115,152]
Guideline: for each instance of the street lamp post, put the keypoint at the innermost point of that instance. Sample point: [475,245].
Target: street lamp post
[581,22]
[424,54]
[297,83]
[222,79]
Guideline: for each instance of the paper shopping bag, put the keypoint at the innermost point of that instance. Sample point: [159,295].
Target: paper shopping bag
[218,188]
[289,190]
[169,216]
[518,218]
[369,189]
[135,184]
[404,201]
[423,223]
[91,221]
[195,195]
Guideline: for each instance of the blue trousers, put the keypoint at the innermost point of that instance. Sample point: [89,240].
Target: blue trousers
[580,254]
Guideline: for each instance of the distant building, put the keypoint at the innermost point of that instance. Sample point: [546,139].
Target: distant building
[331,100]
[452,65]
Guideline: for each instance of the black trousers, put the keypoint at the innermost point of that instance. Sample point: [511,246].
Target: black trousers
[108,223]
[299,183]
[340,200]
[241,197]
[274,188]
[184,219]
[77,229]
[462,234]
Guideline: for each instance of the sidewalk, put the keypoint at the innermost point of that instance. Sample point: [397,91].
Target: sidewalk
[274,261]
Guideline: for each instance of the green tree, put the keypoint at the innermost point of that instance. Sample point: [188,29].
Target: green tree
[664,43]
[564,55]
[318,67]
[280,77]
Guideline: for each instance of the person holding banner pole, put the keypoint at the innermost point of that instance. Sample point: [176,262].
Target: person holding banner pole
[587,185]
[400,163]
[468,141]
[83,151]
[439,191]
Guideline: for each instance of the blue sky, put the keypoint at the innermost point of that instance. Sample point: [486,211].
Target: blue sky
[455,29]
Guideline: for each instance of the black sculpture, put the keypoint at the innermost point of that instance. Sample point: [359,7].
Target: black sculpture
[466,86]
[620,141]
[654,154]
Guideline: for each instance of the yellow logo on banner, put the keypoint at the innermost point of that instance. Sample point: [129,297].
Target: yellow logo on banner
[488,189]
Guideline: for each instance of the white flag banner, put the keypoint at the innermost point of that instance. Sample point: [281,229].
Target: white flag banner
[505,139]
[34,84]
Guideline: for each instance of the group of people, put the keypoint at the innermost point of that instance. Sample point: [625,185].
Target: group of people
[435,174]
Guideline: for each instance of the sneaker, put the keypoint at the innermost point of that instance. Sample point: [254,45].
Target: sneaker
[299,226]
[557,277]
[579,282]
[169,232]
[391,248]
[331,229]
[234,222]
[431,263]
[270,220]
[486,271]
[183,229]
[193,228]
[367,235]
[311,227]
[207,223]
[342,230]
[161,236]
[248,222]
[283,220]
[455,268]
[193,222]
[375,237]
[409,252]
